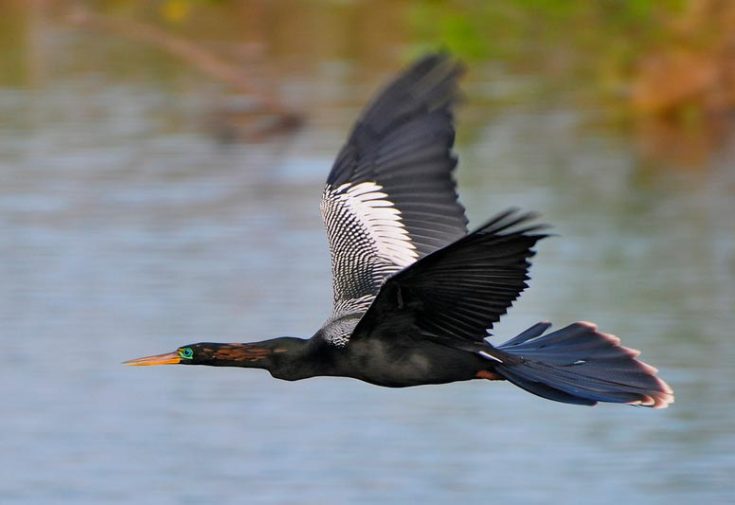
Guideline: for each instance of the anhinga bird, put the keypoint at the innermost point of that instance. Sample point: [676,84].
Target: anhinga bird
[415,295]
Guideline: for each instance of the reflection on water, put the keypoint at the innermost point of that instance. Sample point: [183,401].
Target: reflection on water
[127,229]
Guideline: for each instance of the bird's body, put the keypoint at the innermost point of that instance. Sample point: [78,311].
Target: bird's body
[378,361]
[415,295]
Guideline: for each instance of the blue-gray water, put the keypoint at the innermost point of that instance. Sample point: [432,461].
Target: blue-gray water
[126,229]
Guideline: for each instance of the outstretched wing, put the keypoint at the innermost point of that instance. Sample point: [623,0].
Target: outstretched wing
[390,197]
[458,292]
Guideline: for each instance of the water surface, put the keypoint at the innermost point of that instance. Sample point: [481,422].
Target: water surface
[128,228]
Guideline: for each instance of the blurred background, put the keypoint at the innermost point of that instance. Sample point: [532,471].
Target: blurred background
[161,164]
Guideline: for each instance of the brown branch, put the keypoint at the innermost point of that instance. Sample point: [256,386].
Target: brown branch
[187,51]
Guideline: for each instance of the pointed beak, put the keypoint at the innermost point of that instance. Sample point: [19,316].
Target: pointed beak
[171,358]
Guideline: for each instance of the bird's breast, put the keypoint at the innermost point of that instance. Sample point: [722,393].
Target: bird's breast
[385,364]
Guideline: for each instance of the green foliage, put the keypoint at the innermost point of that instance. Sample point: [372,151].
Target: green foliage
[597,41]
[479,25]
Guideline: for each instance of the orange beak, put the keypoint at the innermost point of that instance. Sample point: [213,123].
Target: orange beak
[171,358]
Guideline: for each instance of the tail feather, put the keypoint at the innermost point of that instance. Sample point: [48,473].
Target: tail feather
[578,364]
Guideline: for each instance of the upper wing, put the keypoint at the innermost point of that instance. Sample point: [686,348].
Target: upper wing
[457,293]
[390,197]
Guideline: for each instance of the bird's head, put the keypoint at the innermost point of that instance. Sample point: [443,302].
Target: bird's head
[192,354]
[257,355]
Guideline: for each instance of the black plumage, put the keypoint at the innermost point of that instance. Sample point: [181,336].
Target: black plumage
[459,291]
[398,158]
[415,296]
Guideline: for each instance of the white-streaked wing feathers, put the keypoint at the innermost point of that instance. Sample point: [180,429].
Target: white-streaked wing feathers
[390,197]
[380,220]
[368,242]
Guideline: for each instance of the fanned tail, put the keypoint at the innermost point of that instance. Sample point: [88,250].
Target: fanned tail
[580,365]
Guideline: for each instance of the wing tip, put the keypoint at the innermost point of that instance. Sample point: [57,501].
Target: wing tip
[508,221]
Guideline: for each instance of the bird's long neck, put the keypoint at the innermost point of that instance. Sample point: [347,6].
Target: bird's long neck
[286,358]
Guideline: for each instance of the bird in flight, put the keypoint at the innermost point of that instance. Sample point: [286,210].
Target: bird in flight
[414,294]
